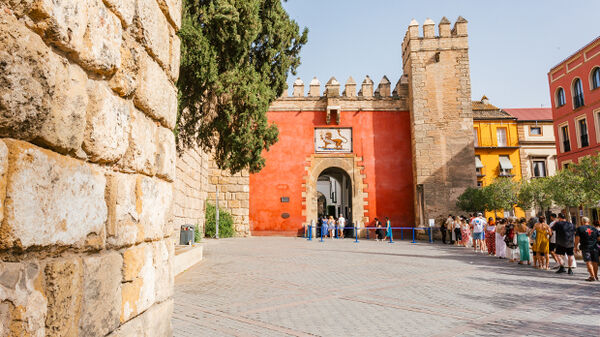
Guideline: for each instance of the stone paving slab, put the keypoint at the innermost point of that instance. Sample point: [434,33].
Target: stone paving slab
[269,286]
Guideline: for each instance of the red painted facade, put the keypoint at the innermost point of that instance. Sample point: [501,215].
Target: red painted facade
[579,65]
[381,138]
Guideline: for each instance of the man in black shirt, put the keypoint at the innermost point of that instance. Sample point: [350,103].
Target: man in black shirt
[587,238]
[565,240]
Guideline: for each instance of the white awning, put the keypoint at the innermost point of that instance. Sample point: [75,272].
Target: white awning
[478,163]
[505,163]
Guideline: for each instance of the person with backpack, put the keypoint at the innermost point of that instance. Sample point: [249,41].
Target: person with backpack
[510,240]
[587,237]
[565,240]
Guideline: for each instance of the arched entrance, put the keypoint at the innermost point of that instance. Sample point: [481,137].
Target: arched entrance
[334,187]
[339,167]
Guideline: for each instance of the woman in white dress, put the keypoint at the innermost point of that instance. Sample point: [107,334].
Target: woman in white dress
[500,244]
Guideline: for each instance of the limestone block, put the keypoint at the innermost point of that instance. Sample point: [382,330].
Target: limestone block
[124,81]
[141,154]
[64,290]
[107,130]
[152,30]
[133,327]
[123,226]
[124,9]
[3,176]
[52,200]
[139,293]
[101,300]
[86,29]
[23,307]
[163,262]
[175,56]
[27,81]
[154,323]
[165,154]
[155,95]
[154,198]
[172,10]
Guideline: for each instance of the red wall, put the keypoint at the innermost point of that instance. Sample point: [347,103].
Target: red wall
[578,65]
[382,138]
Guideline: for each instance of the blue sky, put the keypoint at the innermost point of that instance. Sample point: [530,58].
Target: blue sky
[513,43]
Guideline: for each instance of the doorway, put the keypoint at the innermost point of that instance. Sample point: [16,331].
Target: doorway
[334,188]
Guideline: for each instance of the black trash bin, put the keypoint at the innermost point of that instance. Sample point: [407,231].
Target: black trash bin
[186,235]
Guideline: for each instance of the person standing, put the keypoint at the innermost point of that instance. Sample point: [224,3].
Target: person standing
[510,239]
[565,240]
[500,245]
[587,238]
[379,232]
[552,245]
[448,228]
[542,242]
[324,223]
[388,226]
[523,241]
[478,224]
[490,236]
[443,229]
[331,226]
[465,232]
[457,231]
[342,225]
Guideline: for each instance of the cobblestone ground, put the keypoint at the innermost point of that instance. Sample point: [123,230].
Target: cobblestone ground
[292,287]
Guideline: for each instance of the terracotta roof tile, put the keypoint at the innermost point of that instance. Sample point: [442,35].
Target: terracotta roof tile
[486,110]
[531,114]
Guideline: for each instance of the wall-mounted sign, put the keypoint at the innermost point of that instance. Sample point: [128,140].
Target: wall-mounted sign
[333,140]
[285,199]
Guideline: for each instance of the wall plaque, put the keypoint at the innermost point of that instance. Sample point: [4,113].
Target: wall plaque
[333,140]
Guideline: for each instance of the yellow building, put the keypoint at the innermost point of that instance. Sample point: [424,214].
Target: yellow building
[496,140]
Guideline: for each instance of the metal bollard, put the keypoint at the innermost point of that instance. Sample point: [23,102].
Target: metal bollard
[391,236]
[336,232]
[401,234]
[309,233]
[430,237]
[355,234]
[321,233]
[367,232]
[413,241]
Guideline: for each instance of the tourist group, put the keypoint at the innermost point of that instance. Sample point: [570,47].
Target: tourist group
[526,241]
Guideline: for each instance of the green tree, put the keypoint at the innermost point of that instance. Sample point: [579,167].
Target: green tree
[501,194]
[566,189]
[472,200]
[535,193]
[588,171]
[235,58]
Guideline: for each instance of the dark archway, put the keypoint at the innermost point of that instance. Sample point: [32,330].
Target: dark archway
[335,186]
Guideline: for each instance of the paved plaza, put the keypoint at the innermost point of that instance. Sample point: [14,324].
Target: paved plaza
[272,286]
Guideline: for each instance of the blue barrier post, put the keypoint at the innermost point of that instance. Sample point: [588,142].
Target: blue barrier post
[336,232]
[367,232]
[321,233]
[355,234]
[413,241]
[309,232]
[401,234]
[430,237]
[391,236]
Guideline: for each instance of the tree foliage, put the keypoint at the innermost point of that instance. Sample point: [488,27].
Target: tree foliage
[472,200]
[235,58]
[501,194]
[226,229]
[535,193]
[566,189]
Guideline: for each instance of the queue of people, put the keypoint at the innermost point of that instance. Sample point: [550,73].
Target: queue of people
[530,242]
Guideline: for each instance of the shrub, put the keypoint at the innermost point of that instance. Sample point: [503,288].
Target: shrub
[225,222]
[197,233]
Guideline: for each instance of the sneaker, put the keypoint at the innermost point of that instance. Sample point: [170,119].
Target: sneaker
[561,270]
[570,272]
[556,267]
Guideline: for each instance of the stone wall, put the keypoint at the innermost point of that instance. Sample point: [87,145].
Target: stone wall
[87,161]
[439,82]
[190,190]
[234,196]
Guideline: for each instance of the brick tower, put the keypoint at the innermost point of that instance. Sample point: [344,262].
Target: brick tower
[439,86]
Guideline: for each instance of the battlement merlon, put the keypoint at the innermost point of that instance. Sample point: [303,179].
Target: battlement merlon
[455,38]
[367,89]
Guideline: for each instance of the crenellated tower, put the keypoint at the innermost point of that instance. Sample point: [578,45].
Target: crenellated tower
[439,85]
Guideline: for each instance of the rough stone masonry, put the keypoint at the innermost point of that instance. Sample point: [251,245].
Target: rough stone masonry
[87,163]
